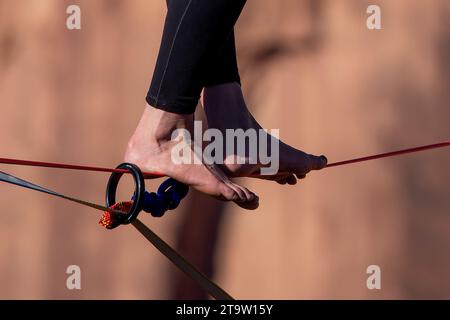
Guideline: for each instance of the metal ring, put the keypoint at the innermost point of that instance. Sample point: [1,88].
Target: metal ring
[139,191]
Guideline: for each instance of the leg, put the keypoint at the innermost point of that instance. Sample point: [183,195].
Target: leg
[225,108]
[193,30]
[221,67]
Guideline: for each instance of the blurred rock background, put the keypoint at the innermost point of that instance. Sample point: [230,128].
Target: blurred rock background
[310,68]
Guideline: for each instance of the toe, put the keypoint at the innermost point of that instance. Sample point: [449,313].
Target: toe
[290,179]
[241,196]
[250,205]
[249,196]
[228,193]
[301,176]
[317,163]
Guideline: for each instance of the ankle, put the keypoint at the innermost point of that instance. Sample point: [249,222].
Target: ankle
[225,108]
[154,132]
[158,125]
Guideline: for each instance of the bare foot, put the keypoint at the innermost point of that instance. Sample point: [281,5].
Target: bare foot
[225,108]
[151,146]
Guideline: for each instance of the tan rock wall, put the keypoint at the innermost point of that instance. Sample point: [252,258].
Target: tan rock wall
[310,68]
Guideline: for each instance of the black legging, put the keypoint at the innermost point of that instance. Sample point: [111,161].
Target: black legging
[197,50]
